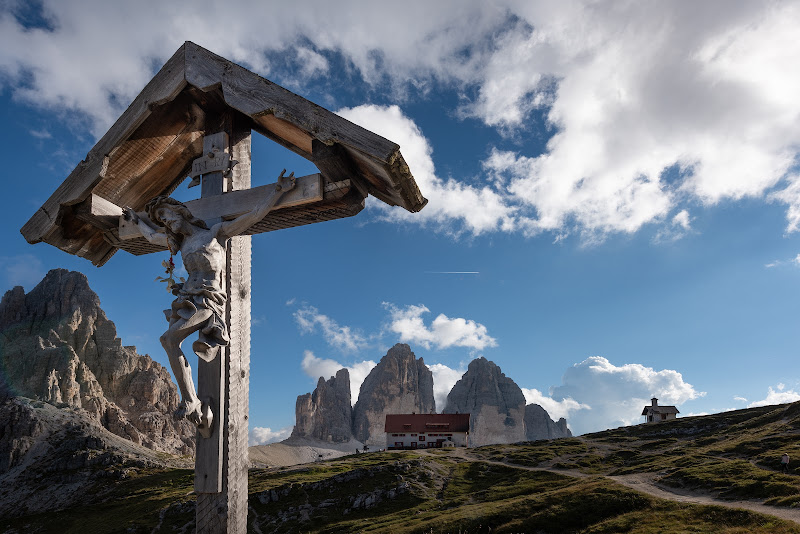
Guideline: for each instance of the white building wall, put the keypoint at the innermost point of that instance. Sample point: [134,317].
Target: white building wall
[424,440]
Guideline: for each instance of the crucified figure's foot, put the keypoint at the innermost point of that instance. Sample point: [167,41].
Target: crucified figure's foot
[197,413]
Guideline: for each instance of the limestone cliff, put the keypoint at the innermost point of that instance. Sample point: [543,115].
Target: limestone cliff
[326,414]
[400,383]
[495,403]
[538,425]
[58,346]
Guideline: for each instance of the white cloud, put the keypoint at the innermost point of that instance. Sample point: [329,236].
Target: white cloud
[263,435]
[555,408]
[646,89]
[444,378]
[443,332]
[452,205]
[779,395]
[679,226]
[326,368]
[40,134]
[793,262]
[598,394]
[342,337]
[740,399]
[652,106]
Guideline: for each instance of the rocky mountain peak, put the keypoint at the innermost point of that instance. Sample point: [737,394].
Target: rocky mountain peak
[326,414]
[539,425]
[58,346]
[400,383]
[495,403]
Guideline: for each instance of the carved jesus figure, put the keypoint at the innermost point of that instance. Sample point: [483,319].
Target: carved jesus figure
[200,303]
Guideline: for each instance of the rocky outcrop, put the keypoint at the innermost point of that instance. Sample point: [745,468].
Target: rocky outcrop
[538,425]
[326,414]
[400,383]
[495,403]
[52,458]
[58,346]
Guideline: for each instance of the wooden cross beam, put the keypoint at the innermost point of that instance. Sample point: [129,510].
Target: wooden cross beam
[228,206]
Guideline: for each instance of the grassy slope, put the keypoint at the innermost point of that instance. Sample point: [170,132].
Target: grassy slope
[734,454]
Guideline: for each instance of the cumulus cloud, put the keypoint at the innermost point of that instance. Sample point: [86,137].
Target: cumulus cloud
[342,337]
[452,204]
[595,394]
[316,367]
[648,106]
[555,408]
[59,57]
[443,332]
[653,102]
[778,395]
[262,435]
[444,378]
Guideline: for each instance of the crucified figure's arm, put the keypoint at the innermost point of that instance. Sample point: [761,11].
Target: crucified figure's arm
[149,233]
[243,222]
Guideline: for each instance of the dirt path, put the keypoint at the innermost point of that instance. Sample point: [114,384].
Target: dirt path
[645,483]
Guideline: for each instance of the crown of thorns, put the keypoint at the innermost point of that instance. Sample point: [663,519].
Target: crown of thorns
[152,208]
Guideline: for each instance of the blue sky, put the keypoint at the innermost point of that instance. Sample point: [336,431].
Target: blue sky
[614,190]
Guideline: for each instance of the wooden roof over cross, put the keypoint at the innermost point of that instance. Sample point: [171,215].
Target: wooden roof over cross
[149,151]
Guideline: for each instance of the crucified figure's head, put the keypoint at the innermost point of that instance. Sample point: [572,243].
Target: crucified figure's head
[171,214]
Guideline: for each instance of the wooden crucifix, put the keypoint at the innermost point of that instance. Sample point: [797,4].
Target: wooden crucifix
[195,118]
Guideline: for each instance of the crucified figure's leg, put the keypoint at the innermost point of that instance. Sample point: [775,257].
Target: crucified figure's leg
[171,341]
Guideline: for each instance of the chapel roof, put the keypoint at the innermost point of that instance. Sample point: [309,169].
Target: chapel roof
[659,409]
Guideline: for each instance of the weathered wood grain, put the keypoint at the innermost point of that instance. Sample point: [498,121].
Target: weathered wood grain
[256,96]
[230,504]
[232,204]
[149,150]
[299,121]
[209,468]
[208,464]
[165,86]
[98,212]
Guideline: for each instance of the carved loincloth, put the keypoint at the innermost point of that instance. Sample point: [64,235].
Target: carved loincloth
[213,334]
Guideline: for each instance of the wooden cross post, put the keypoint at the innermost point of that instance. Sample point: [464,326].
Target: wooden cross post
[222,461]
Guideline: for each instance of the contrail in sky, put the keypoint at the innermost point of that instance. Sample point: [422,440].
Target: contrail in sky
[452,272]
